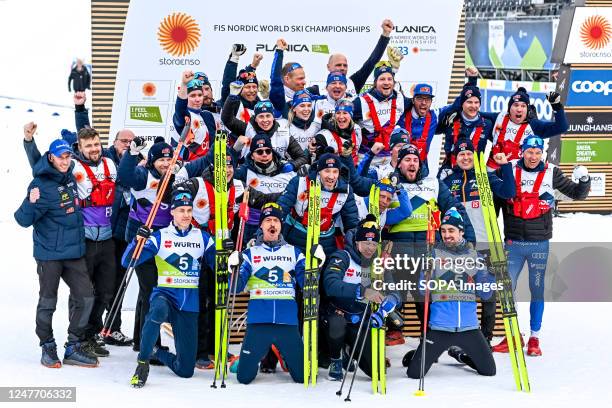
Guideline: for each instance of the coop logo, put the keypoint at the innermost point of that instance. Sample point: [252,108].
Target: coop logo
[590,86]
[595,32]
[178,35]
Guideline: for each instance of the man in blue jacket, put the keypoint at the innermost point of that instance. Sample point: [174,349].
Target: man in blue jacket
[52,208]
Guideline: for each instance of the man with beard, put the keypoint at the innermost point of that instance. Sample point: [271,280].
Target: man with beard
[95,178]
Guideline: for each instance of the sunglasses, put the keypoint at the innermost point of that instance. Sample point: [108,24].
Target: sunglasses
[382,64]
[263,104]
[247,75]
[194,83]
[263,151]
[183,197]
[200,76]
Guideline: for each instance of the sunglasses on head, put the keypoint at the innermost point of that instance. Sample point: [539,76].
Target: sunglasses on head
[382,64]
[201,76]
[183,197]
[248,75]
[194,83]
[263,104]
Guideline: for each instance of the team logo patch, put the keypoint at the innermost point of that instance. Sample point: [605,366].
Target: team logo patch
[168,244]
[257,259]
[350,272]
[476,204]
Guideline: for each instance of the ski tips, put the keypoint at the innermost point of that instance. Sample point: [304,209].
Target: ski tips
[419,393]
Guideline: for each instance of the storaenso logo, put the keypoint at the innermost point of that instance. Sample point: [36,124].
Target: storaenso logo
[590,86]
[414,29]
[178,35]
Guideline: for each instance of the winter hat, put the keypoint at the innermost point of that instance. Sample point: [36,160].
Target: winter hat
[264,107]
[344,105]
[271,210]
[259,141]
[181,197]
[159,150]
[399,135]
[468,92]
[406,150]
[385,185]
[202,77]
[59,147]
[336,76]
[301,97]
[328,161]
[247,77]
[367,229]
[194,85]
[520,95]
[382,68]
[70,137]
[423,89]
[452,217]
[463,144]
[533,141]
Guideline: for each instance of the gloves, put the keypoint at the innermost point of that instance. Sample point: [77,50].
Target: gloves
[580,173]
[554,98]
[143,232]
[137,145]
[394,178]
[176,168]
[318,252]
[237,51]
[387,306]
[287,168]
[235,88]
[347,148]
[395,57]
[227,244]
[532,113]
[234,259]
[264,89]
[450,119]
[369,294]
[444,173]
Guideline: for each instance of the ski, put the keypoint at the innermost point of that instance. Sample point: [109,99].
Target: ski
[221,268]
[499,265]
[379,375]
[311,285]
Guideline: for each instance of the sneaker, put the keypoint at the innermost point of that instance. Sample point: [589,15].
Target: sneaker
[49,355]
[394,338]
[99,339]
[407,358]
[456,353]
[204,363]
[75,355]
[140,375]
[93,348]
[234,364]
[502,347]
[533,347]
[117,338]
[335,370]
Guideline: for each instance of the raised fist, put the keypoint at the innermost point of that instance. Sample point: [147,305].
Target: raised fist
[387,27]
[28,131]
[257,57]
[281,44]
[187,76]
[34,195]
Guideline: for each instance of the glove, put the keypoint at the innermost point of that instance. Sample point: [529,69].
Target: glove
[237,51]
[137,145]
[554,98]
[532,113]
[143,232]
[395,57]
[235,88]
[287,168]
[369,294]
[444,173]
[264,89]
[450,119]
[394,178]
[227,244]
[347,148]
[234,259]
[176,168]
[318,252]
[387,306]
[580,173]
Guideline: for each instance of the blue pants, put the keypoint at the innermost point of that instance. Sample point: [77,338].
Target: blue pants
[257,341]
[536,255]
[185,329]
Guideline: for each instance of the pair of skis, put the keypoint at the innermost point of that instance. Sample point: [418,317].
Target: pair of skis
[499,266]
[378,335]
[311,285]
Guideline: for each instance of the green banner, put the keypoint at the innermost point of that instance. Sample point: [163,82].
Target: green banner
[586,151]
[320,48]
[146,113]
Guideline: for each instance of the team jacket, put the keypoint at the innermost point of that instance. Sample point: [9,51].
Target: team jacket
[203,127]
[270,274]
[178,256]
[453,309]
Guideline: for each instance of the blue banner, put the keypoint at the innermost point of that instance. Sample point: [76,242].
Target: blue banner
[494,100]
[590,87]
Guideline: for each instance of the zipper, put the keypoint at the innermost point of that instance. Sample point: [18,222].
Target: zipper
[458,314]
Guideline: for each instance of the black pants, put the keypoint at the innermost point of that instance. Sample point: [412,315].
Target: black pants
[100,258]
[341,334]
[120,246]
[487,317]
[74,273]
[472,342]
[206,317]
[147,280]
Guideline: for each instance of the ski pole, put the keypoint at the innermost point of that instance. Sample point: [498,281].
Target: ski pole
[359,330]
[363,342]
[110,317]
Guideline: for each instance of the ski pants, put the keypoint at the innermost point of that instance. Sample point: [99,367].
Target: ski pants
[257,341]
[100,258]
[472,342]
[74,273]
[185,329]
[341,334]
[206,317]
[535,253]
[120,246]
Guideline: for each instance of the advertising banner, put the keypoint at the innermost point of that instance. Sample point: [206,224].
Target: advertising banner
[589,123]
[590,87]
[586,151]
[161,39]
[590,38]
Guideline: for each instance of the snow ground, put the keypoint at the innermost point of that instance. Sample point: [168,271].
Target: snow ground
[572,370]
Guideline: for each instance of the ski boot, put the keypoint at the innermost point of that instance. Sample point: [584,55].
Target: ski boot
[75,355]
[335,370]
[49,355]
[140,375]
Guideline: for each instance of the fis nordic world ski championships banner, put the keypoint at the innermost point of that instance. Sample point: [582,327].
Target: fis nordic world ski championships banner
[162,39]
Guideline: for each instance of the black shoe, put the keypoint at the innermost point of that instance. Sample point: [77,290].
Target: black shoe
[75,355]
[92,348]
[407,358]
[456,353]
[117,338]
[49,356]
[140,375]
